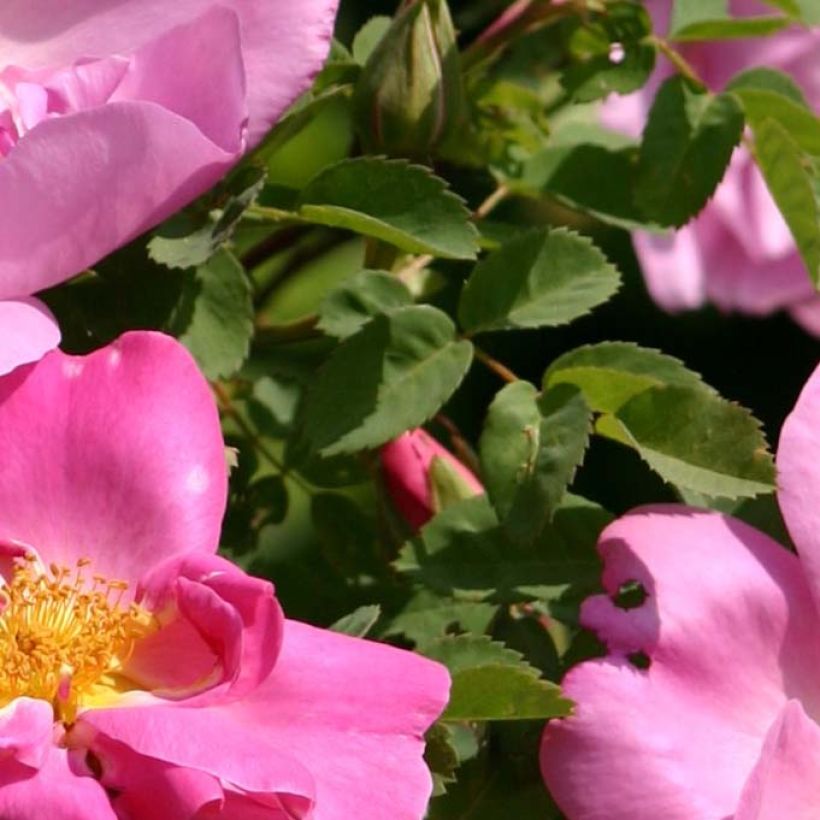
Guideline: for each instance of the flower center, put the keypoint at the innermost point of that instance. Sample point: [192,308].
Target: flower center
[63,637]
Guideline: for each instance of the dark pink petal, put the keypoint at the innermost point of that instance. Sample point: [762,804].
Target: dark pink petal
[55,790]
[225,624]
[284,43]
[784,781]
[144,788]
[730,633]
[117,456]
[29,331]
[406,466]
[798,458]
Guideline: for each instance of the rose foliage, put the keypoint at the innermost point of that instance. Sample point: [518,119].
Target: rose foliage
[348,436]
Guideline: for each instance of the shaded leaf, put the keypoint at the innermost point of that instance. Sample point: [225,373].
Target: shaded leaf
[543,278]
[402,204]
[357,300]
[685,150]
[392,375]
[358,623]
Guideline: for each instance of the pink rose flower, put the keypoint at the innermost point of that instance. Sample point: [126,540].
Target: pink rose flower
[112,118]
[706,705]
[411,481]
[738,252]
[142,675]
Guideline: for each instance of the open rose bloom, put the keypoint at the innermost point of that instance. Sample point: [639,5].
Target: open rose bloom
[143,676]
[724,721]
[111,120]
[738,253]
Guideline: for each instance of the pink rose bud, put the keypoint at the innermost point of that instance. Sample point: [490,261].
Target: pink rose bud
[422,477]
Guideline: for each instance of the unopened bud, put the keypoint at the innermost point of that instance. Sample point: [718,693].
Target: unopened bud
[410,95]
[422,477]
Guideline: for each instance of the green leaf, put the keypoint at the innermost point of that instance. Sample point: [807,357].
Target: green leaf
[392,200]
[592,178]
[711,20]
[441,756]
[802,125]
[492,682]
[500,692]
[464,551]
[214,316]
[544,278]
[368,37]
[394,374]
[611,373]
[793,183]
[768,79]
[191,238]
[427,616]
[461,652]
[358,623]
[686,147]
[530,448]
[596,74]
[357,300]
[695,440]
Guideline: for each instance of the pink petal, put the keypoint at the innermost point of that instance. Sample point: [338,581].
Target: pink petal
[673,268]
[731,634]
[170,72]
[242,758]
[147,788]
[798,459]
[55,790]
[26,731]
[85,183]
[807,315]
[29,331]
[340,721]
[284,43]
[784,781]
[354,713]
[227,625]
[117,456]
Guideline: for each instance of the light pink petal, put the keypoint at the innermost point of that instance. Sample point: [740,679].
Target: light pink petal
[85,183]
[784,781]
[227,625]
[354,713]
[798,478]
[284,43]
[730,632]
[117,456]
[807,315]
[735,281]
[244,759]
[26,731]
[171,72]
[55,790]
[672,267]
[28,332]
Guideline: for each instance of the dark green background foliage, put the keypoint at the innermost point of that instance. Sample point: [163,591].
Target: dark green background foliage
[337,297]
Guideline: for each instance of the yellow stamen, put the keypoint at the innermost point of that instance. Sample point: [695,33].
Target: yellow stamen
[62,639]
